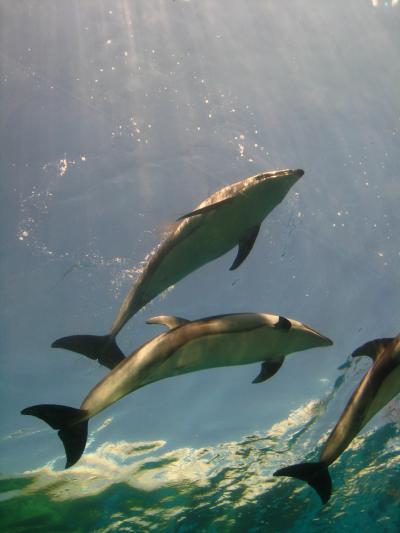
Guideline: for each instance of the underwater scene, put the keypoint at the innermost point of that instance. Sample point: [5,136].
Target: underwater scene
[200,289]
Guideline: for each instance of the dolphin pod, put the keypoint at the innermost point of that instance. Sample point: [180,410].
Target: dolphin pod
[224,340]
[230,217]
[379,385]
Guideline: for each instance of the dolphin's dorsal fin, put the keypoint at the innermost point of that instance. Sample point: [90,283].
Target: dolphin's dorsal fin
[268,369]
[245,247]
[168,320]
[205,209]
[373,348]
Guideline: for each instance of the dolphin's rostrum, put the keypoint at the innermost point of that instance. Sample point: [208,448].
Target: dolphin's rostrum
[379,385]
[230,217]
[224,340]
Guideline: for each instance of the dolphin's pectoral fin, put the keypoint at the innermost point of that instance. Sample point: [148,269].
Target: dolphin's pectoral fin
[245,247]
[268,369]
[283,323]
[206,209]
[170,321]
[373,348]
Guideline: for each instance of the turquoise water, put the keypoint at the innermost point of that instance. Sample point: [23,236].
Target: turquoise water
[136,486]
[119,116]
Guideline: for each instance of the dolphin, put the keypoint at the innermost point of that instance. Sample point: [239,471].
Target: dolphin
[229,217]
[223,340]
[379,385]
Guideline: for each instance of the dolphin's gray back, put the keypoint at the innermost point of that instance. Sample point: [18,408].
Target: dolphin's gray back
[379,385]
[216,341]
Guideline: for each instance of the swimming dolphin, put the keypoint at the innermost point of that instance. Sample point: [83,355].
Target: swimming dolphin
[223,340]
[229,217]
[379,385]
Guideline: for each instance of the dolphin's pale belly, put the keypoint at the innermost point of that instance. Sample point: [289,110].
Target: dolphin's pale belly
[388,389]
[196,242]
[108,391]
[354,419]
[175,259]
[223,340]
[189,254]
[222,349]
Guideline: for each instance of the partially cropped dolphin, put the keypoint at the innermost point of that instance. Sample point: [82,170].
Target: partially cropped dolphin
[229,217]
[224,340]
[379,385]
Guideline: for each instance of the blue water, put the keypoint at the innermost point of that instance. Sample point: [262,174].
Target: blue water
[116,118]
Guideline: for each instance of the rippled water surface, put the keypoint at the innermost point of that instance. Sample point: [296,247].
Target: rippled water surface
[119,116]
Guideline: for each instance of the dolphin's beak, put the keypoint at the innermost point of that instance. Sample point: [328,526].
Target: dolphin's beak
[296,174]
[325,340]
[299,172]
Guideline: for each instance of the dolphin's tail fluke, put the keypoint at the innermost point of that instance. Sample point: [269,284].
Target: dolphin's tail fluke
[103,348]
[72,429]
[315,474]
